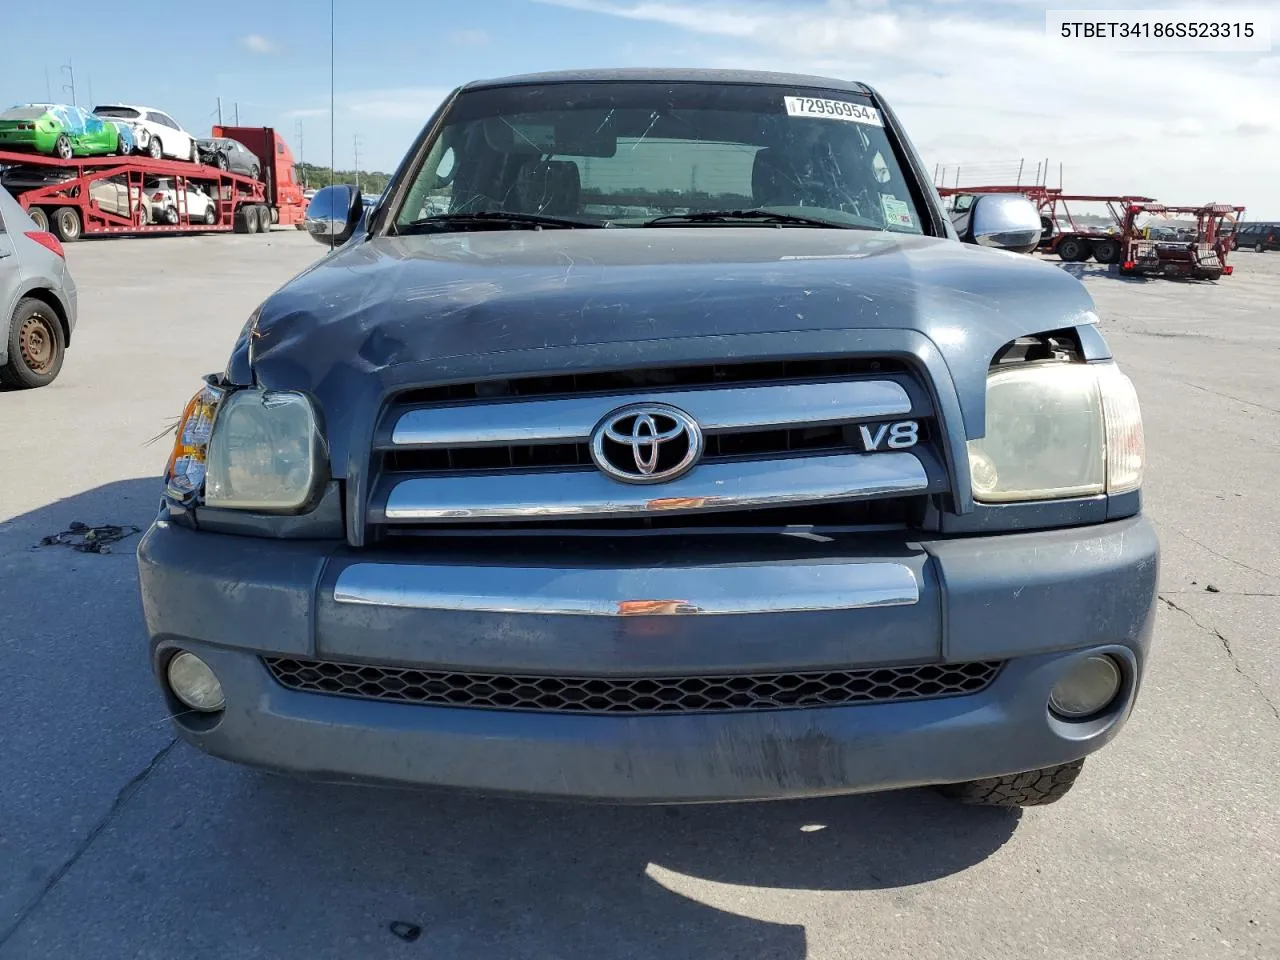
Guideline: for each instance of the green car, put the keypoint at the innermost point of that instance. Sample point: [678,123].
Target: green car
[62,131]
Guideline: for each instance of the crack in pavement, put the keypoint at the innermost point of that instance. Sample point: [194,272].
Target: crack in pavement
[1226,645]
[1223,556]
[123,796]
[1227,396]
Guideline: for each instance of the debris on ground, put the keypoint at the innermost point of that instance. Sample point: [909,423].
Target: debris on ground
[84,538]
[1211,588]
[407,932]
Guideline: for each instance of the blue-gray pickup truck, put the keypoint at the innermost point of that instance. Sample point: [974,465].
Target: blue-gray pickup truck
[655,437]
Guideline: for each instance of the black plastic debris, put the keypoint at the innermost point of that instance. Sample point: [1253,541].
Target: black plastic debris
[84,538]
[408,932]
[1211,588]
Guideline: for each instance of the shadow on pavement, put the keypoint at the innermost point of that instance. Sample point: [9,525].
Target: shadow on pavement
[256,863]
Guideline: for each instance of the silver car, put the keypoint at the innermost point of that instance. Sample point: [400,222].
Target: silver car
[37,300]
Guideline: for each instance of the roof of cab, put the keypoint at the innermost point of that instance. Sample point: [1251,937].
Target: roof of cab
[678,75]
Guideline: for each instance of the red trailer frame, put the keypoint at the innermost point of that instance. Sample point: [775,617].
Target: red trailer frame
[1203,259]
[237,196]
[1078,243]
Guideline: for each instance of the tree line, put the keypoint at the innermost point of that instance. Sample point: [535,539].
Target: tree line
[371,181]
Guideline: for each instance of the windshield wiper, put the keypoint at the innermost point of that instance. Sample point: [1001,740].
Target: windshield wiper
[764,217]
[491,220]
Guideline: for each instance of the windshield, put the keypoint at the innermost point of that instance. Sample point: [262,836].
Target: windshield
[24,113]
[623,153]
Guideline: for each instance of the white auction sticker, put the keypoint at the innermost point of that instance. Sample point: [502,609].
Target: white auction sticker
[832,110]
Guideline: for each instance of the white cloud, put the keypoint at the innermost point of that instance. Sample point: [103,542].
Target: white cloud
[396,103]
[257,43]
[982,82]
[469,38]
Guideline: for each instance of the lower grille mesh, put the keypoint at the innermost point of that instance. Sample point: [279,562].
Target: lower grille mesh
[633,695]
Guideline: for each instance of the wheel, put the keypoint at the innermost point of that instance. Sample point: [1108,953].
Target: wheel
[210,215]
[62,147]
[254,172]
[1030,789]
[1072,250]
[143,219]
[194,156]
[121,147]
[252,222]
[66,224]
[221,162]
[155,149]
[39,218]
[36,345]
[1259,247]
[274,214]
[1106,251]
[171,216]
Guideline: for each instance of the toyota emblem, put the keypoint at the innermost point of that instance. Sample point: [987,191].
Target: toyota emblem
[646,443]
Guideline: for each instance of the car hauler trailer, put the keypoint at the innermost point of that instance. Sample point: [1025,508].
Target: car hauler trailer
[279,179]
[1203,258]
[70,198]
[1075,243]
[110,195]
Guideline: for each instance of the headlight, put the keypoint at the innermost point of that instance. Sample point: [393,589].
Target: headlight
[265,453]
[1057,430]
[247,450]
[184,474]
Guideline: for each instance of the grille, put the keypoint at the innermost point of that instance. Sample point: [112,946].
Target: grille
[699,375]
[738,445]
[634,695]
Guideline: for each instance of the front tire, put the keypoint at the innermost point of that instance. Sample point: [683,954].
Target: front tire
[1259,247]
[210,216]
[66,224]
[36,346]
[62,147]
[1035,788]
[155,149]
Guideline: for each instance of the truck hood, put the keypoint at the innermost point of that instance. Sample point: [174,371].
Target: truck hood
[389,312]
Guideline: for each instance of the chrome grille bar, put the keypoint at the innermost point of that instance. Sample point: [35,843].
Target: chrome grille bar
[572,419]
[603,592]
[581,494]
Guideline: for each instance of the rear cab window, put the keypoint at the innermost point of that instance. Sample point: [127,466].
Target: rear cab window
[619,153]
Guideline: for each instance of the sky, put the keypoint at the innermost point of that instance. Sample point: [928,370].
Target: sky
[976,83]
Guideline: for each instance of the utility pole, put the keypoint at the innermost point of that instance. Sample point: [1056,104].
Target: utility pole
[237,105]
[48,90]
[219,111]
[355,142]
[91,91]
[70,71]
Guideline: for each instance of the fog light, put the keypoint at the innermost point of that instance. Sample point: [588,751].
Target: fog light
[1088,686]
[194,683]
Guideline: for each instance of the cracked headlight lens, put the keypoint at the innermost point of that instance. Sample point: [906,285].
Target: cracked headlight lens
[1057,430]
[265,453]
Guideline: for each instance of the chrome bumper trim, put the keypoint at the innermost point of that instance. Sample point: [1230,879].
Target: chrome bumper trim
[583,494]
[666,591]
[726,408]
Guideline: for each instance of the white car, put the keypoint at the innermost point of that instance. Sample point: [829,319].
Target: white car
[199,206]
[154,131]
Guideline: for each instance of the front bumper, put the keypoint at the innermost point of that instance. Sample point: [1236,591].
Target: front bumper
[1033,600]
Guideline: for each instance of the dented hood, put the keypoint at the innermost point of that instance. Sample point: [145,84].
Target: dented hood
[392,311]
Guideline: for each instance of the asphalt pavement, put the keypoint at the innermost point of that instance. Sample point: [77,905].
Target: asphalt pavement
[117,842]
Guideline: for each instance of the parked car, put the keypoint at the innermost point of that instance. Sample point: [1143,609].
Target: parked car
[1257,236]
[158,134]
[62,131]
[37,300]
[791,492]
[227,154]
[198,207]
[112,193]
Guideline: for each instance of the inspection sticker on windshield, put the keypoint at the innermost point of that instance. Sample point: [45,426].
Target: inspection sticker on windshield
[832,110]
[896,212]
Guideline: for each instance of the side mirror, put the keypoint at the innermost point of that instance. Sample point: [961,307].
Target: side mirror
[333,214]
[1006,221]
